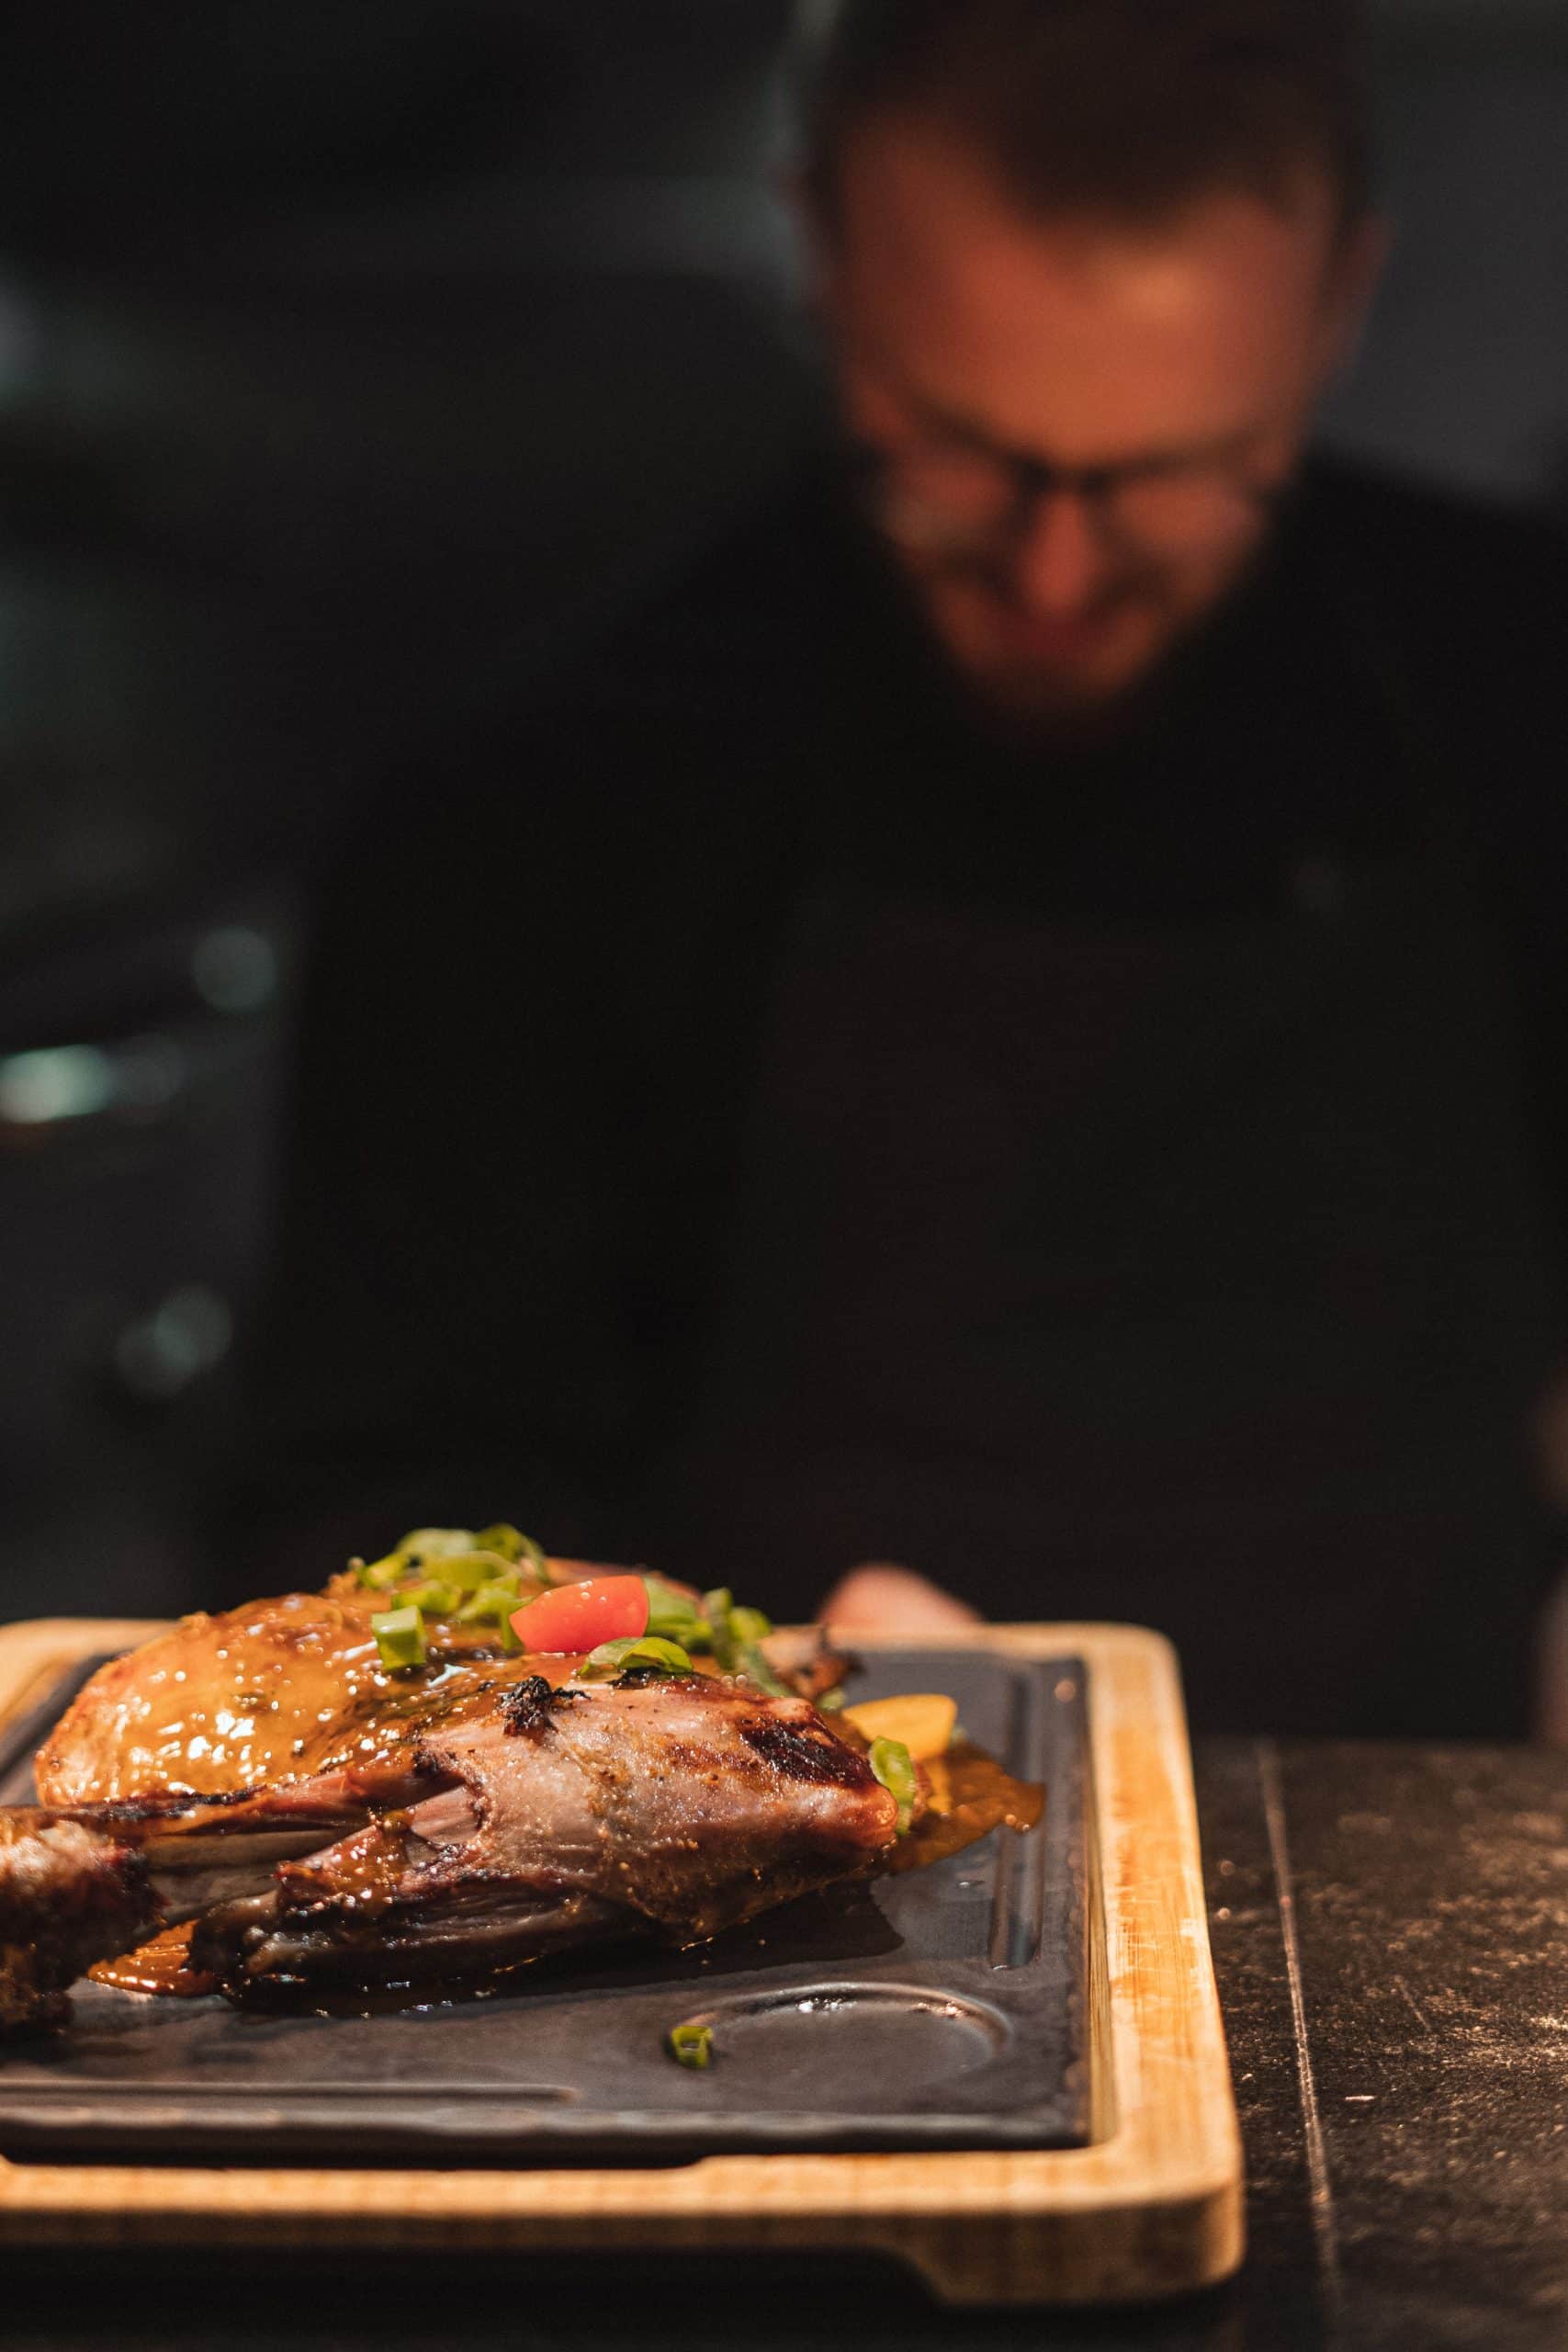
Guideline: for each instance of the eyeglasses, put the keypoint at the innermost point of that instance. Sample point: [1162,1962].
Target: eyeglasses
[956,497]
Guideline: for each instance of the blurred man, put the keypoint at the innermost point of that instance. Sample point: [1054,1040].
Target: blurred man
[993,1031]
[1079,327]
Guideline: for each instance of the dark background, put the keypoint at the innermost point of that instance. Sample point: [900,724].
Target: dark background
[354,361]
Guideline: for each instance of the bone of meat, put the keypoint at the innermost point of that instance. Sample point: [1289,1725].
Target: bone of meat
[81,1886]
[667,1806]
[69,1895]
[201,1851]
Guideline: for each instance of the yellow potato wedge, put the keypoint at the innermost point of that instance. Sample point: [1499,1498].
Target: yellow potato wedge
[923,1723]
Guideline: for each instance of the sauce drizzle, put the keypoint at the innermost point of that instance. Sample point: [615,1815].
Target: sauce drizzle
[161,1966]
[971,1795]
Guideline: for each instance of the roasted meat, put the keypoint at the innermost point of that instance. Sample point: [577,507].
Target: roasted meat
[670,1807]
[253,1698]
[69,1895]
[326,1811]
[285,1691]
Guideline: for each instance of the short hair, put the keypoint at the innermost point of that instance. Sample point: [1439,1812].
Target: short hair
[1125,108]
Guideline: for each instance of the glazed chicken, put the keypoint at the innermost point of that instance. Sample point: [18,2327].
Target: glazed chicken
[254,1698]
[325,1815]
[280,1691]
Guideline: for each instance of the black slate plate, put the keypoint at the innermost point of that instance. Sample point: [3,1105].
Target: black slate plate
[945,2008]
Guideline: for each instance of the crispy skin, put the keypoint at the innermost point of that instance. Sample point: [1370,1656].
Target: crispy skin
[69,1895]
[254,1697]
[282,1691]
[670,1807]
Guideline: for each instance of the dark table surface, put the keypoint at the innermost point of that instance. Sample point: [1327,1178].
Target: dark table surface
[1390,1929]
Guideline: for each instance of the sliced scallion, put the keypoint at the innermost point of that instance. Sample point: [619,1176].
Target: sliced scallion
[691,2045]
[471,1569]
[502,1537]
[433,1596]
[751,1662]
[514,1546]
[381,1574]
[492,1600]
[400,1636]
[717,1606]
[675,1616]
[424,1543]
[891,1762]
[737,1634]
[635,1650]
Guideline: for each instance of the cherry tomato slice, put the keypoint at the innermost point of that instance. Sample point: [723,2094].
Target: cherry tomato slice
[580,1616]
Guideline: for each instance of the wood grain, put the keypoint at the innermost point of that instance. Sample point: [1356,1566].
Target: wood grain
[1153,2209]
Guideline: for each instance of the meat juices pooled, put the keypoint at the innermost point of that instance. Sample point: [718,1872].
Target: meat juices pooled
[670,1807]
[69,1895]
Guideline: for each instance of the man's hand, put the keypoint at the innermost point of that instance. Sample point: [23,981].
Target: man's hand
[881,1599]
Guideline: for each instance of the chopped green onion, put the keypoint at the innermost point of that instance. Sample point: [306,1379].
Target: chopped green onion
[435,1596]
[497,1601]
[716,1607]
[635,1650]
[750,1661]
[832,1701]
[891,1762]
[399,1636]
[515,1548]
[736,1635]
[675,1614]
[508,1541]
[493,1604]
[470,1570]
[691,2045]
[381,1574]
[434,1544]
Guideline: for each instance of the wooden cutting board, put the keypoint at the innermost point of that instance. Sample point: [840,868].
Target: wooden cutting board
[1152,2208]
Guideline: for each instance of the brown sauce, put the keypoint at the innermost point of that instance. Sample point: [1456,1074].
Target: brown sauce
[161,1966]
[971,1795]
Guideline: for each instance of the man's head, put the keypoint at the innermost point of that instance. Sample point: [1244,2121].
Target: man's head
[1085,269]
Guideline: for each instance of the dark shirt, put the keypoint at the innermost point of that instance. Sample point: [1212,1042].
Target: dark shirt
[753,1119]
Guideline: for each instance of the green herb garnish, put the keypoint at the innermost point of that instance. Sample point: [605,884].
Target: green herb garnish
[426,1543]
[433,1597]
[435,1567]
[675,1616]
[891,1762]
[379,1576]
[504,1538]
[491,1601]
[635,1650]
[399,1636]
[737,1634]
[691,2045]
